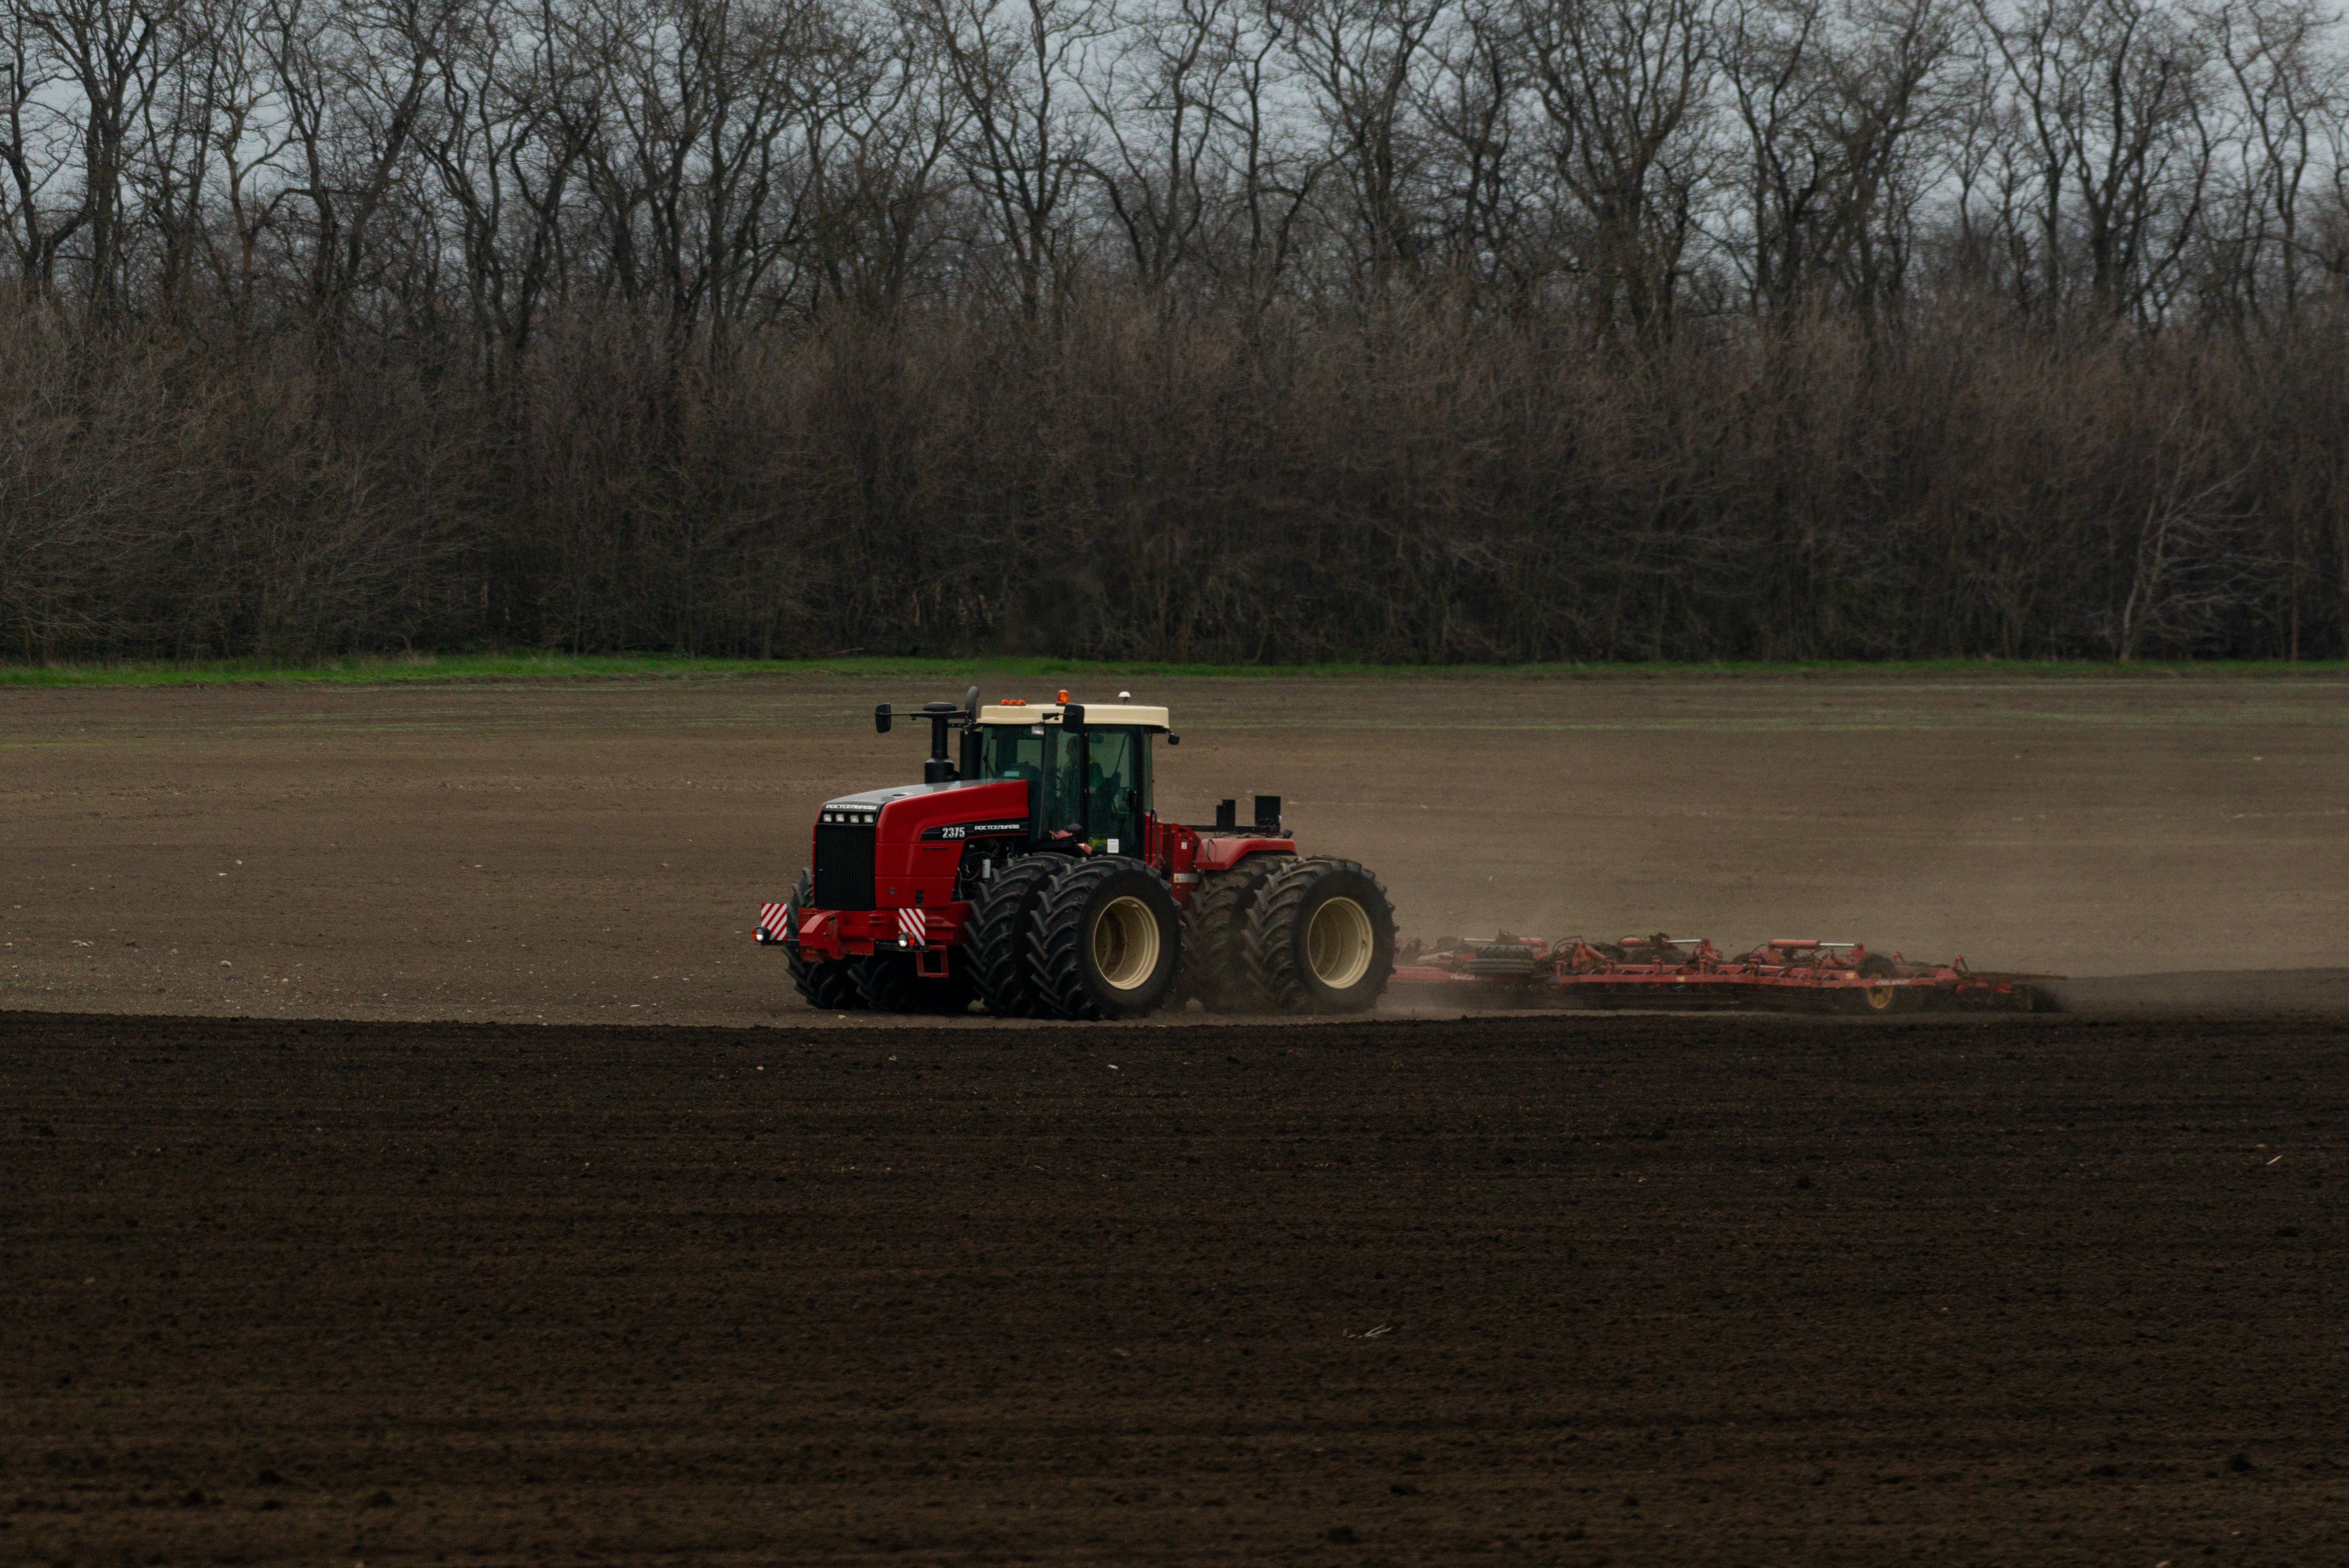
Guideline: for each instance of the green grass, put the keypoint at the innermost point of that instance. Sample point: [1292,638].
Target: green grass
[387,671]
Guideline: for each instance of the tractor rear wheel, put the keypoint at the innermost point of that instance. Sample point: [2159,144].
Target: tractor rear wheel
[1001,968]
[1212,968]
[829,985]
[1106,939]
[1321,938]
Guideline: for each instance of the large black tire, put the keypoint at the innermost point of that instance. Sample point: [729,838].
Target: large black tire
[1213,970]
[828,984]
[1002,968]
[1320,939]
[890,983]
[886,982]
[1106,940]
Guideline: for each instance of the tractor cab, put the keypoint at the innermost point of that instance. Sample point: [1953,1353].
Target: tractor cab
[1086,766]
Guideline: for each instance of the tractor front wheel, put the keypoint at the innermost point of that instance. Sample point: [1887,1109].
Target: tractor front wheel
[1106,940]
[828,984]
[1002,965]
[1321,938]
[890,983]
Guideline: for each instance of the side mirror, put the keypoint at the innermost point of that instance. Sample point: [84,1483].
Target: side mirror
[1072,716]
[881,718]
[1172,739]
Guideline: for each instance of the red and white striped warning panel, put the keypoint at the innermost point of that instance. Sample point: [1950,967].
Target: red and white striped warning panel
[913,928]
[774,922]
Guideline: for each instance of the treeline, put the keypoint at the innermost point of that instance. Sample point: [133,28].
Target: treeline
[1410,329]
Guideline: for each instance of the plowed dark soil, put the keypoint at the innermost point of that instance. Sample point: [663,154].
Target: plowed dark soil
[1557,1290]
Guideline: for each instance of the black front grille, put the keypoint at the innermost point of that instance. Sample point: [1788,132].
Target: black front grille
[843,866]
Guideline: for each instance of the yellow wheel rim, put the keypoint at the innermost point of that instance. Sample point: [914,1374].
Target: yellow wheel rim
[1339,944]
[1879,998]
[1126,944]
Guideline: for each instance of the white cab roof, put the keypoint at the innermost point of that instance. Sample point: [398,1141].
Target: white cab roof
[1098,715]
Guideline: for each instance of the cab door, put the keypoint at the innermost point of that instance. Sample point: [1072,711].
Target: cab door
[1117,790]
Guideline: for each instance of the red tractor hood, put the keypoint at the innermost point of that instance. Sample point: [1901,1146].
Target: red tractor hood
[909,811]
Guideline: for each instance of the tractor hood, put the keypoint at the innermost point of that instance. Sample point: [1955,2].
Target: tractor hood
[866,807]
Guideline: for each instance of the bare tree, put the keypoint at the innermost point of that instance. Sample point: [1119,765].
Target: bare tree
[113,54]
[43,204]
[1626,88]
[357,88]
[1476,105]
[1268,176]
[878,169]
[1367,64]
[1772,60]
[2286,87]
[2111,94]
[1026,138]
[1155,109]
[701,148]
[1213,328]
[2184,569]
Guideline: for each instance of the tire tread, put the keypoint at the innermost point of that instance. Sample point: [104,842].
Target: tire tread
[1214,932]
[1268,946]
[1001,968]
[829,985]
[1057,935]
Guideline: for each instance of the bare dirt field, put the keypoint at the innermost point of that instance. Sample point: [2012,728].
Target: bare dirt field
[1563,1289]
[596,852]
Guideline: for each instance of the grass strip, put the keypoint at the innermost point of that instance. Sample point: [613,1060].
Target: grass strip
[498,667]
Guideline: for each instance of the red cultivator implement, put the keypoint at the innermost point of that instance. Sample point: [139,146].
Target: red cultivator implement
[1688,972]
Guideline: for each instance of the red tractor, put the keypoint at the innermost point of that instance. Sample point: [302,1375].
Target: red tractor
[1033,875]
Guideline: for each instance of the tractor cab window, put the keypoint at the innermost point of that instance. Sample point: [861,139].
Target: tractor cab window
[1015,752]
[1098,784]
[1114,788]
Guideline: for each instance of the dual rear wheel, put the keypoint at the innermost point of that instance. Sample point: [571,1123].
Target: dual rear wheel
[1318,937]
[1282,934]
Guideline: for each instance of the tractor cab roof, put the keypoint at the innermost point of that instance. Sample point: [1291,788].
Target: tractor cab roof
[1098,715]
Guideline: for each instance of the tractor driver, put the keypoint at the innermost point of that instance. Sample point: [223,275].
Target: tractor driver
[1111,799]
[1099,807]
[1068,770]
